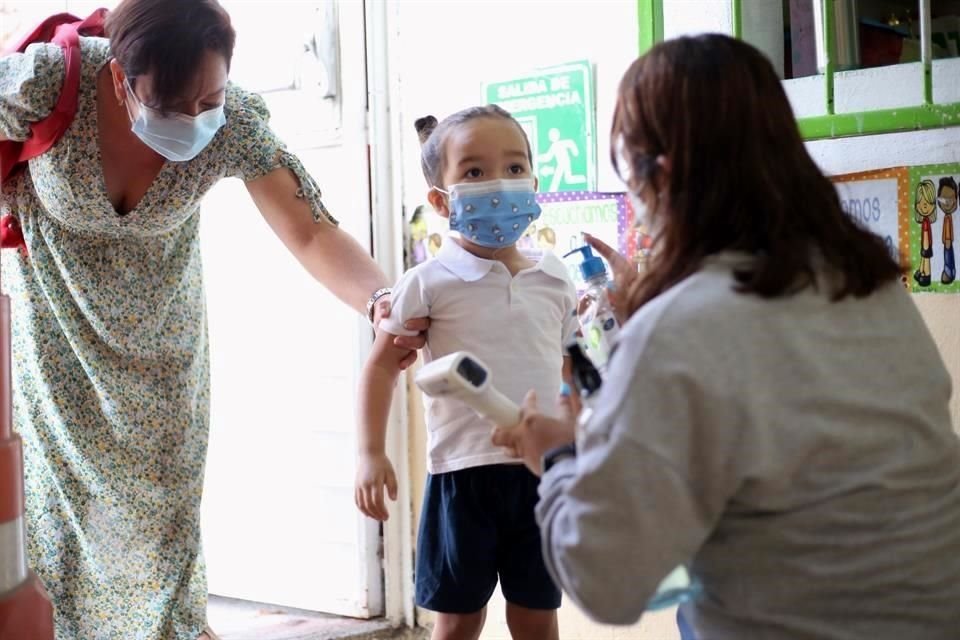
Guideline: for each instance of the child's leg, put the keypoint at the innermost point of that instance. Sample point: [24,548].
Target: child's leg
[532,598]
[459,626]
[456,569]
[532,624]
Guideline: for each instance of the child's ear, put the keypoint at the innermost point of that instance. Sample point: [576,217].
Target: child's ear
[536,183]
[438,202]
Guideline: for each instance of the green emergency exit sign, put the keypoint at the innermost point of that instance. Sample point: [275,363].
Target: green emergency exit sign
[555,106]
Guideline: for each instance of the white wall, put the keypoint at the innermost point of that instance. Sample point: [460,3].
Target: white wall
[450,48]
[688,17]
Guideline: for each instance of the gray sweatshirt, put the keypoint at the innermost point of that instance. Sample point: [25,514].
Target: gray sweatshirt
[796,453]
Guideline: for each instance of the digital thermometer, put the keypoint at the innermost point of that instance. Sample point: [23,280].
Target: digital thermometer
[463,376]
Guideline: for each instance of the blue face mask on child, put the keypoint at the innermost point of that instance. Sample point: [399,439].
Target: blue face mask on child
[494,213]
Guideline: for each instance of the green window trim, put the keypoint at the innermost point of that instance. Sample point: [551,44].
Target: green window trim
[835,125]
[650,16]
[736,9]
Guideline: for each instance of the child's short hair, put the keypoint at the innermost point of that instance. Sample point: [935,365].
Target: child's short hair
[432,136]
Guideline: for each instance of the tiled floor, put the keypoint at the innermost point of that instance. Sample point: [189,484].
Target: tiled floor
[241,620]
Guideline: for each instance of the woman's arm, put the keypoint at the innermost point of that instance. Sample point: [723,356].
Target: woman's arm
[331,255]
[654,468]
[29,87]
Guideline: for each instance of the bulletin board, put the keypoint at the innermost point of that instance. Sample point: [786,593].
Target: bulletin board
[879,201]
[914,209]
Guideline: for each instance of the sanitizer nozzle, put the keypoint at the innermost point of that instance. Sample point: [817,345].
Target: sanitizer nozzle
[591,266]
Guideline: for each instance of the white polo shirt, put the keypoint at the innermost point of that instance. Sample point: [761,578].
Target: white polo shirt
[516,324]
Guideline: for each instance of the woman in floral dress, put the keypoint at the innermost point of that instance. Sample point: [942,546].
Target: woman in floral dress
[110,347]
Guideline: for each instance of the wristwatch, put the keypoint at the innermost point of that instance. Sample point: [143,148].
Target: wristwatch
[379,293]
[555,455]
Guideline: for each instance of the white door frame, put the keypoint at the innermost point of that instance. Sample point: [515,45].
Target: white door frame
[312,132]
[386,182]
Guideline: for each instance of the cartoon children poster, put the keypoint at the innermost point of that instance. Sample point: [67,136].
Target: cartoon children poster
[932,215]
[913,209]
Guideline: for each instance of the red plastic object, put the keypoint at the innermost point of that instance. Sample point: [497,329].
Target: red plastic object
[11,235]
[26,613]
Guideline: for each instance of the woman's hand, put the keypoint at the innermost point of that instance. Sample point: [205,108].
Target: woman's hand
[536,433]
[412,343]
[374,472]
[624,272]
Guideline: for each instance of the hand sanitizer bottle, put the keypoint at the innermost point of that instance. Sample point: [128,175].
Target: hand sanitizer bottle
[598,324]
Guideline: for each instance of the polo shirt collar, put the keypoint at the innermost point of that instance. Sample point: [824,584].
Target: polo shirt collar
[471,268]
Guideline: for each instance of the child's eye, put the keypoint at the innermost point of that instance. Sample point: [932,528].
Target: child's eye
[517,169]
[473,173]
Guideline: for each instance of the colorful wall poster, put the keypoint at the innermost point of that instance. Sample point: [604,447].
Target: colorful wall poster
[555,106]
[932,215]
[568,215]
[879,200]
[914,210]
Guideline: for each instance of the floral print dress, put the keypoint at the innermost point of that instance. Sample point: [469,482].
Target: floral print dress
[111,373]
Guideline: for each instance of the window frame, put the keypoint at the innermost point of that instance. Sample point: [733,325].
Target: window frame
[927,115]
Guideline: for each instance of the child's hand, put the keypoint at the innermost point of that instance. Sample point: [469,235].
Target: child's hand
[374,471]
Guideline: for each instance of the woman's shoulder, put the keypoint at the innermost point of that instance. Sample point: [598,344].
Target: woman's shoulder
[30,83]
[244,106]
[95,45]
[701,314]
[708,292]
[40,65]
[248,119]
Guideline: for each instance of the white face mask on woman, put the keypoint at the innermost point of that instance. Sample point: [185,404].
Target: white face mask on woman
[176,136]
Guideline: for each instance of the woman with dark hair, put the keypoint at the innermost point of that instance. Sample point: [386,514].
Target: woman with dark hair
[111,368]
[775,415]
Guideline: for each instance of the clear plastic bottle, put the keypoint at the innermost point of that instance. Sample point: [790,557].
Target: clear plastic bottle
[598,324]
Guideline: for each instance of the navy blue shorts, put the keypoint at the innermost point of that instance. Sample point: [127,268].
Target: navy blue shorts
[477,525]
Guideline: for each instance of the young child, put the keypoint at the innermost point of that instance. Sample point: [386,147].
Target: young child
[513,310]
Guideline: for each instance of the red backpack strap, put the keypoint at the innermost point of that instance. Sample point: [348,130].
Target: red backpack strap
[10,150]
[65,30]
[44,134]
[42,33]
